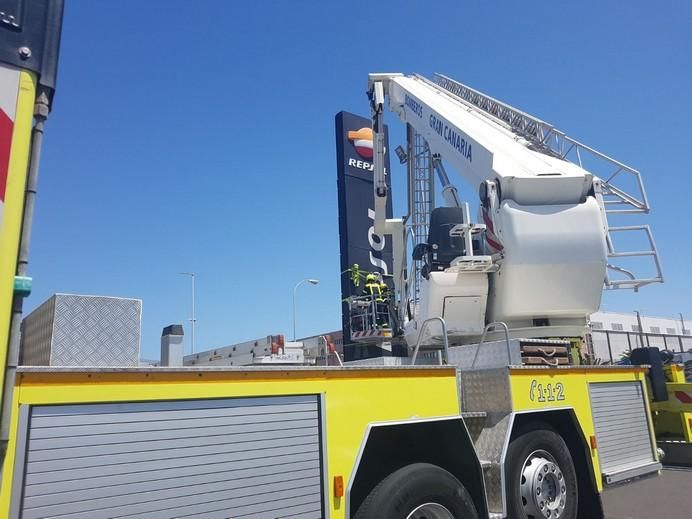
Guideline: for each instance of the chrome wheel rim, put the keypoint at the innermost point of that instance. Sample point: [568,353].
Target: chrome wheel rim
[430,511]
[543,486]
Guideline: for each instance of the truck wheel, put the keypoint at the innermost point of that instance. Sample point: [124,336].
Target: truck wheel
[418,491]
[541,480]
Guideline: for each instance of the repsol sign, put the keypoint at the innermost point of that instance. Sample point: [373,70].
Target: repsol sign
[358,241]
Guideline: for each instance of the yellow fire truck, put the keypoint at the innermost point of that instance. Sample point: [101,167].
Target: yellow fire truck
[482,436]
[388,442]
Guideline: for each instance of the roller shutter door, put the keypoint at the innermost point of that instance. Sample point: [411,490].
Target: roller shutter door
[622,430]
[234,458]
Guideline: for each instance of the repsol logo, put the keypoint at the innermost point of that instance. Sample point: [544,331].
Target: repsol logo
[361,164]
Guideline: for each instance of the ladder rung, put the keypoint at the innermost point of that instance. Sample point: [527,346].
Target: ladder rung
[626,211]
[643,281]
[474,414]
[630,254]
[627,228]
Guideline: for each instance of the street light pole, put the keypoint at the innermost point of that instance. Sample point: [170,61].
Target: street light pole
[641,329]
[192,319]
[682,323]
[295,288]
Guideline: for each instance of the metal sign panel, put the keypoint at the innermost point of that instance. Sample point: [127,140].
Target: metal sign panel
[359,243]
[30,37]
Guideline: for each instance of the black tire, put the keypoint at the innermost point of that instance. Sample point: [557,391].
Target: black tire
[400,493]
[530,444]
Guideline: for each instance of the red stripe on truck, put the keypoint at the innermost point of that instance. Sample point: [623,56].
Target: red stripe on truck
[6,127]
[683,397]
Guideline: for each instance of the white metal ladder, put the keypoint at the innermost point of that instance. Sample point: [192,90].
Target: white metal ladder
[421,194]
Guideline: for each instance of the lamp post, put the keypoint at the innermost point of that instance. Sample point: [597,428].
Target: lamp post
[641,328]
[312,282]
[192,319]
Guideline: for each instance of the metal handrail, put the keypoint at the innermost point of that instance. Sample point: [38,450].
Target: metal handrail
[411,271]
[420,336]
[633,282]
[485,332]
[325,352]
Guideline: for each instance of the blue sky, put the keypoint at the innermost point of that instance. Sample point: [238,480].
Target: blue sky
[199,136]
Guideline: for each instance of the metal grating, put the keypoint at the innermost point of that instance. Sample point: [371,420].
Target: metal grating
[622,430]
[523,124]
[37,334]
[254,458]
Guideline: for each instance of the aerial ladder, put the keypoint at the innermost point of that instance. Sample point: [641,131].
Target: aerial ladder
[545,248]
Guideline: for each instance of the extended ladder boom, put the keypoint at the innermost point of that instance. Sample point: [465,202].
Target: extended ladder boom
[480,148]
[530,162]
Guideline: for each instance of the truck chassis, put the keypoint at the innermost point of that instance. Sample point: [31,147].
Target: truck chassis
[310,441]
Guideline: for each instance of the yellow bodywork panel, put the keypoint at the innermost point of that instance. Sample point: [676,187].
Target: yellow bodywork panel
[673,418]
[11,212]
[354,398]
[536,389]
[675,373]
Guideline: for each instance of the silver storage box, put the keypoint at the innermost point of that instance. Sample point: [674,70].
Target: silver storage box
[76,330]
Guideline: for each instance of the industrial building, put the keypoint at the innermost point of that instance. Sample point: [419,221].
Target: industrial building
[616,333]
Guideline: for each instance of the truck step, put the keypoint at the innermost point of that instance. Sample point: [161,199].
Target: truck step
[474,414]
[491,476]
[676,453]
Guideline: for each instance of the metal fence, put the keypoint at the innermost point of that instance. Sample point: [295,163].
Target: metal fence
[609,345]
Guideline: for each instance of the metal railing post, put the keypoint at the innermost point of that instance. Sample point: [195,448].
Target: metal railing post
[485,332]
[420,336]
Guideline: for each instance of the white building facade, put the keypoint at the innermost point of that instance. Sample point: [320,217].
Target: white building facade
[613,333]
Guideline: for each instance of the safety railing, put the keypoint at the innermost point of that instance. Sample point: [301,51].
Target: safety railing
[630,279]
[611,346]
[326,354]
[487,328]
[445,340]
